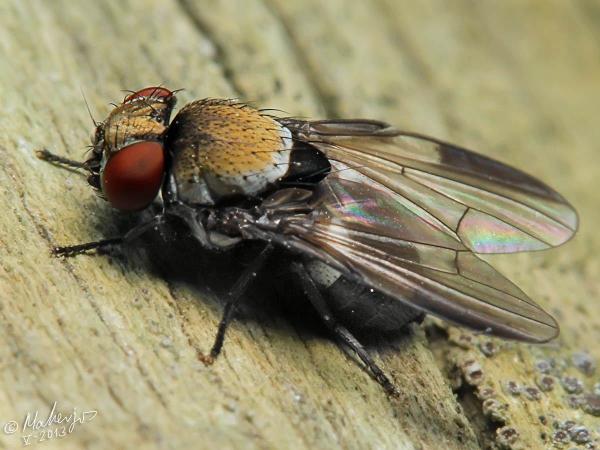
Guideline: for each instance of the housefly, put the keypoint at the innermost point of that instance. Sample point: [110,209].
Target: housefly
[380,225]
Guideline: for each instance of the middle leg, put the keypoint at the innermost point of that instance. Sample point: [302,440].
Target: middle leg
[233,298]
[105,244]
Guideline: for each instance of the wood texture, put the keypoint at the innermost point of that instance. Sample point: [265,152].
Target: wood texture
[517,80]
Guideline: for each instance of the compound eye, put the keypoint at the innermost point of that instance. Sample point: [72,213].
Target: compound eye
[149,92]
[132,177]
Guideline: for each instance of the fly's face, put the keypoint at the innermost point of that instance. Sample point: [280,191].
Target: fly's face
[128,160]
[222,149]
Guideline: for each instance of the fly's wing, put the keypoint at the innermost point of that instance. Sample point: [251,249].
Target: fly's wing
[377,237]
[404,214]
[484,204]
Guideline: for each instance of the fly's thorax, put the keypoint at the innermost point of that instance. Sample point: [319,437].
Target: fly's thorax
[221,149]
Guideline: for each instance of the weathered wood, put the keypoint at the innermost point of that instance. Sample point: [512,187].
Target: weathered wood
[517,80]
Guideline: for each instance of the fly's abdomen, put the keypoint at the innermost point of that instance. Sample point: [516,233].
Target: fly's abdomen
[360,307]
[221,149]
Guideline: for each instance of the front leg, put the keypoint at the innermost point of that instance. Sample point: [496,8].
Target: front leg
[74,250]
[106,244]
[53,158]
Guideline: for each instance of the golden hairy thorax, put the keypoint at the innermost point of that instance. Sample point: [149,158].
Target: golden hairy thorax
[230,147]
[224,138]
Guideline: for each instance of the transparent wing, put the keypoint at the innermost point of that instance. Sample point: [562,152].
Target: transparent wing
[376,236]
[485,205]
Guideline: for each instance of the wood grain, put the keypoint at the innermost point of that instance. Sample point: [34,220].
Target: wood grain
[517,80]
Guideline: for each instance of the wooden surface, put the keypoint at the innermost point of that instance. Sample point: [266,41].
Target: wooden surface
[517,80]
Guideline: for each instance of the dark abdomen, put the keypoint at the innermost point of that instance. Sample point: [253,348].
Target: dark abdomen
[360,307]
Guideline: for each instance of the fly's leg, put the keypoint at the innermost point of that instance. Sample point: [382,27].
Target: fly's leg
[79,249]
[233,299]
[106,244]
[74,250]
[341,332]
[45,155]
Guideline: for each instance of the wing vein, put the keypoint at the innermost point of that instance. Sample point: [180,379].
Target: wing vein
[440,283]
[484,190]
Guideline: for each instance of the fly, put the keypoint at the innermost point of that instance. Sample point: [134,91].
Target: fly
[380,225]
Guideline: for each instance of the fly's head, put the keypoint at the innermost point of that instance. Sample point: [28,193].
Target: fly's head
[128,163]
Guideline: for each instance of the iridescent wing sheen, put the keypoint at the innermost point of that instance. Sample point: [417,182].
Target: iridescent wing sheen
[404,213]
[376,236]
[487,206]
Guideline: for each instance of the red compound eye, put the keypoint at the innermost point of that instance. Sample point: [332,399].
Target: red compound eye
[132,176]
[152,92]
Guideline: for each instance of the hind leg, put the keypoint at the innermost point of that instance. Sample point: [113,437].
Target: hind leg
[342,333]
